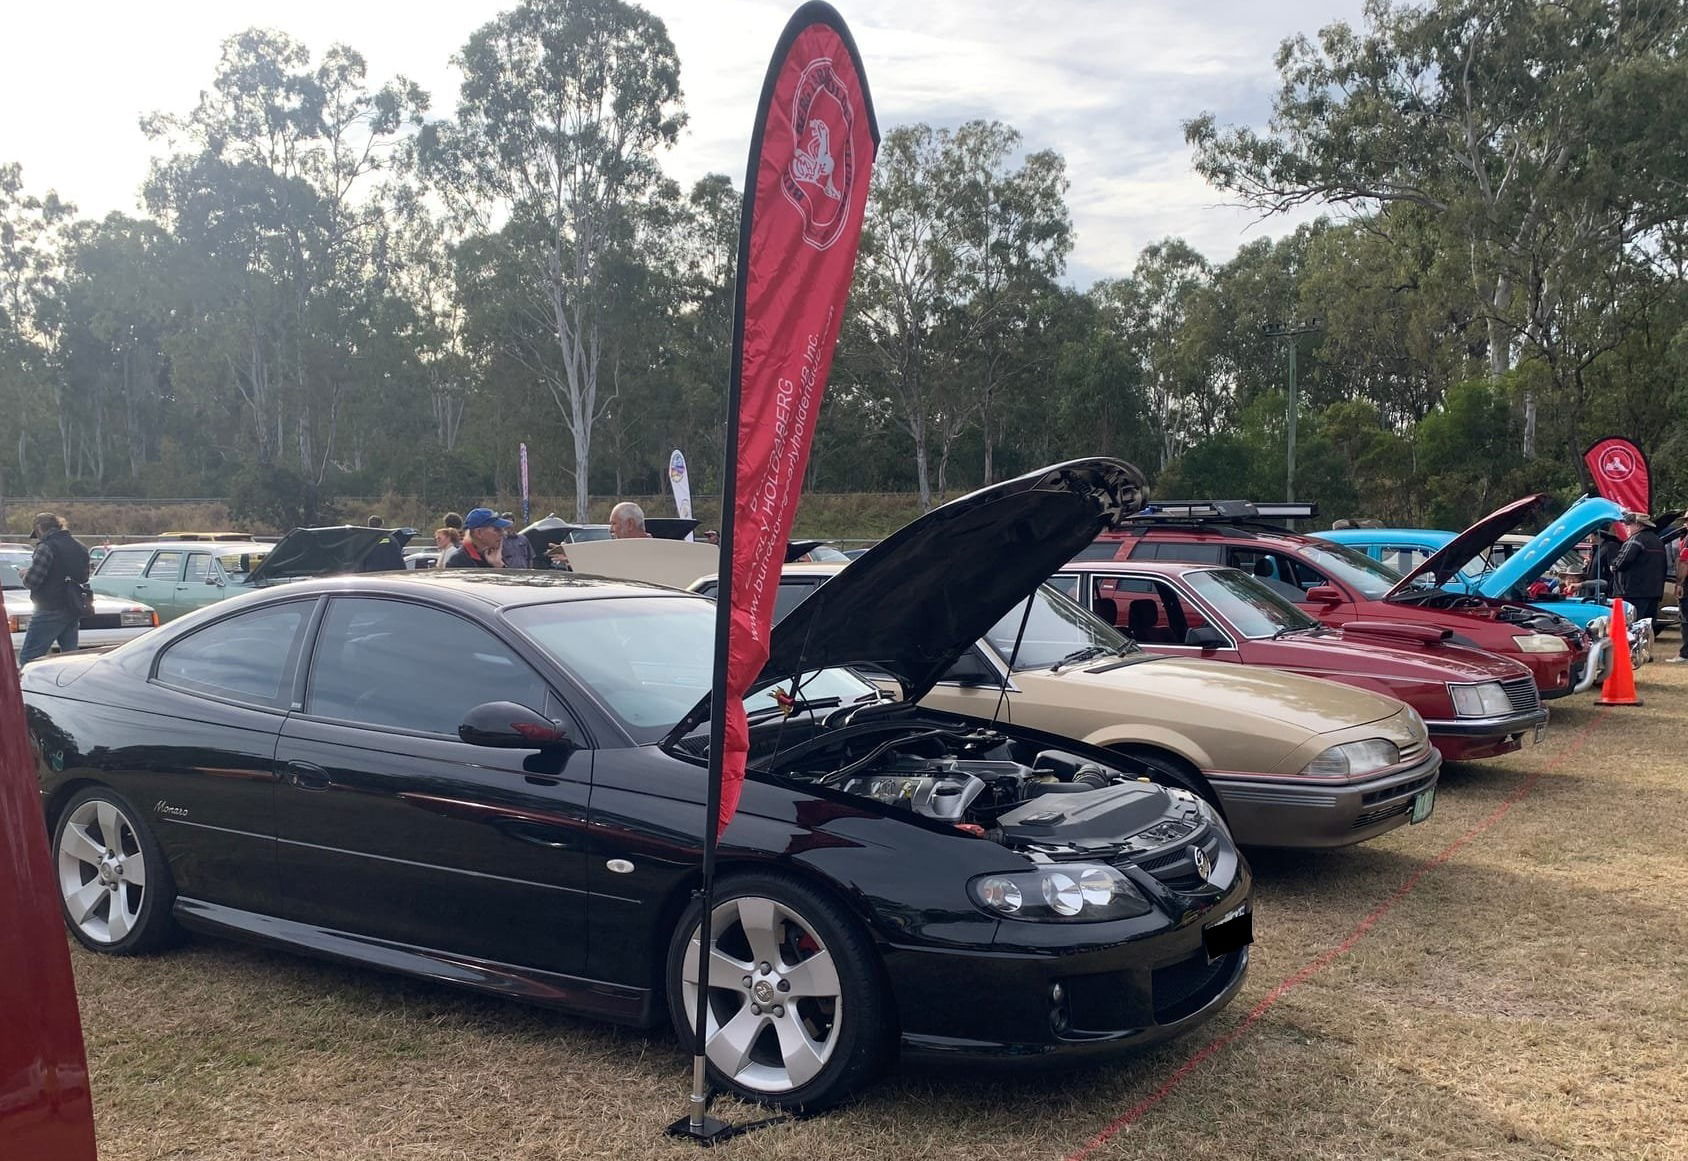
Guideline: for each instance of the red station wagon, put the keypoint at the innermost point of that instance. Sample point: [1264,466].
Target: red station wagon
[1476,704]
[1337,585]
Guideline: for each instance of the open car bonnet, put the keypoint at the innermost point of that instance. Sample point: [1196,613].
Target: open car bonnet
[1551,543]
[921,597]
[307,552]
[1442,564]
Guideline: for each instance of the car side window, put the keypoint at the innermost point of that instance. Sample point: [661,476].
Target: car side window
[397,665]
[125,562]
[1147,610]
[199,564]
[1187,550]
[1067,583]
[165,566]
[247,657]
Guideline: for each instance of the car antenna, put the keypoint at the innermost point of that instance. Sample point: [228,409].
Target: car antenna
[1013,656]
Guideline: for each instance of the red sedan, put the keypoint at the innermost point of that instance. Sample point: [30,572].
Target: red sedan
[1475,704]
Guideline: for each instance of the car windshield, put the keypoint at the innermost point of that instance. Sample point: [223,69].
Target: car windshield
[1058,630]
[1253,609]
[649,659]
[1354,569]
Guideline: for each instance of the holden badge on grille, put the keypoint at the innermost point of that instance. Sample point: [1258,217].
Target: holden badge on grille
[1204,865]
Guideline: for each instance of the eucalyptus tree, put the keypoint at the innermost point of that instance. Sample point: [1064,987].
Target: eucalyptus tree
[267,188]
[564,108]
[1547,140]
[955,245]
[33,235]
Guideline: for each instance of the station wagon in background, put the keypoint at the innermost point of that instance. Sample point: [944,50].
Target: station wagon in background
[179,577]
[176,577]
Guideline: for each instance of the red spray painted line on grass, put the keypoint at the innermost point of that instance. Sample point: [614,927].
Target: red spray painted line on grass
[1313,967]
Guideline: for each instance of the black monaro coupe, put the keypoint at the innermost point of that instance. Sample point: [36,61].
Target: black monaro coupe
[498,780]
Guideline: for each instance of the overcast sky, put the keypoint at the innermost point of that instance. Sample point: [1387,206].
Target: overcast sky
[1107,83]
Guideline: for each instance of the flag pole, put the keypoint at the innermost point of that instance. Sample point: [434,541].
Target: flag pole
[794,342]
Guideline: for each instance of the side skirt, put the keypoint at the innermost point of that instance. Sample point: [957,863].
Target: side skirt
[616,1003]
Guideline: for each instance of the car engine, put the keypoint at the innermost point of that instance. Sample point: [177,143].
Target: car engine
[1048,801]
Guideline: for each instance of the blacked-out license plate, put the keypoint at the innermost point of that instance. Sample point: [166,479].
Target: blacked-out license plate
[1229,935]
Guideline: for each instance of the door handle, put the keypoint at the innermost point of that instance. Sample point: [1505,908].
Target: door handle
[552,837]
[306,776]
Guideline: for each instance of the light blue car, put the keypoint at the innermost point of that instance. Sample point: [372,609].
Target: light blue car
[1510,579]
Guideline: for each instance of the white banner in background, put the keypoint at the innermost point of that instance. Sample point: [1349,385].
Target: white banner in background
[682,486]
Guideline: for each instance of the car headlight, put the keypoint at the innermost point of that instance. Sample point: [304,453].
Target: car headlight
[18,623]
[1061,893]
[1597,628]
[1486,700]
[137,619]
[1354,758]
[1541,643]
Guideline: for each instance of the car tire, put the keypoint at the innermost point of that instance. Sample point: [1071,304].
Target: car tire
[1170,772]
[811,1030]
[114,887]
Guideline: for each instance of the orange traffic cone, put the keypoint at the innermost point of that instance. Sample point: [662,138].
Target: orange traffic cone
[1619,688]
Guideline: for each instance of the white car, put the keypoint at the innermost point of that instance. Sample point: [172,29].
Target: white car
[114,621]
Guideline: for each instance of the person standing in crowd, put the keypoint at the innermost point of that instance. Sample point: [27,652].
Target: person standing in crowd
[453,521]
[1639,567]
[54,578]
[446,538]
[518,553]
[627,521]
[386,556]
[483,541]
[1681,592]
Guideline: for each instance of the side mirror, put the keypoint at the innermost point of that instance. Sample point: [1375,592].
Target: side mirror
[970,669]
[505,725]
[1324,595]
[1205,638]
[214,580]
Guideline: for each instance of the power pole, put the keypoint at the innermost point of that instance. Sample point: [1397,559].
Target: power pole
[1293,332]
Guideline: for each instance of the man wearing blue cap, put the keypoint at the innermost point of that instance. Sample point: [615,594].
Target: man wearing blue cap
[483,540]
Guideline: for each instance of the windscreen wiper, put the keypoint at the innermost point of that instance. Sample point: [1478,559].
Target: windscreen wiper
[792,708]
[1084,654]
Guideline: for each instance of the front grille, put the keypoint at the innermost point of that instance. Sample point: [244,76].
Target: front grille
[103,621]
[1177,868]
[1378,814]
[1415,751]
[1406,788]
[1183,988]
[1523,694]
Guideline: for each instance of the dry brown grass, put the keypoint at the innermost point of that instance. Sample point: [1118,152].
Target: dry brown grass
[1529,999]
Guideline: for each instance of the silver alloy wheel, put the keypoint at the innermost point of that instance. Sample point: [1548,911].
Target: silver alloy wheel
[102,871]
[775,1003]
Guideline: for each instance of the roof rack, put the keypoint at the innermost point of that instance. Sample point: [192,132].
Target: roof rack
[1186,511]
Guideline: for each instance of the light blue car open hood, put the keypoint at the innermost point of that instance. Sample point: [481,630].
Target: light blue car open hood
[1548,545]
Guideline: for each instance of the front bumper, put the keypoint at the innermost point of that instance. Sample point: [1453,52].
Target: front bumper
[1301,812]
[1463,739]
[984,1004]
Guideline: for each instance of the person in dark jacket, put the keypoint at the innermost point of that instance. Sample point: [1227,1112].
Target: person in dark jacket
[386,556]
[516,550]
[483,541]
[55,577]
[1640,566]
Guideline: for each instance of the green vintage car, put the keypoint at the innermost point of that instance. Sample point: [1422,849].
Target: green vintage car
[178,576]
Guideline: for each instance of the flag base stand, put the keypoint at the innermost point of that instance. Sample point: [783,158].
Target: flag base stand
[714,1131]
